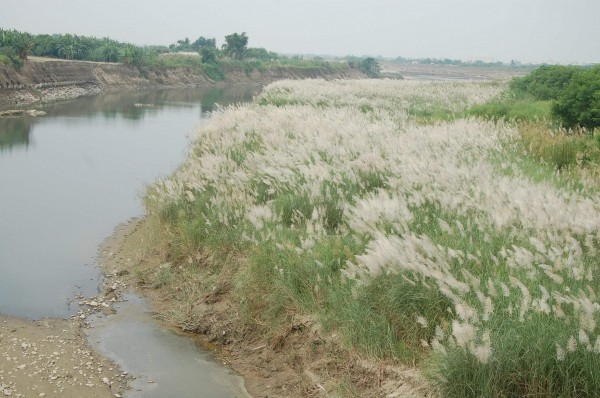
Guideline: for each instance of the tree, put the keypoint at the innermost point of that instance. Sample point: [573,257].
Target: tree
[208,54]
[71,47]
[44,45]
[132,55]
[235,45]
[183,45]
[371,67]
[21,43]
[261,54]
[109,50]
[202,42]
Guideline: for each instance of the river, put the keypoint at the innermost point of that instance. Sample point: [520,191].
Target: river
[67,180]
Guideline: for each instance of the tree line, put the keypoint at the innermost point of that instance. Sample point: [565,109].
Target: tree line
[16,46]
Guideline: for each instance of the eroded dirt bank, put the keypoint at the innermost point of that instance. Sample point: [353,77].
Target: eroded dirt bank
[45,80]
[303,361]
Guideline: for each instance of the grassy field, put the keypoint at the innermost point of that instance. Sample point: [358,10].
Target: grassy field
[404,219]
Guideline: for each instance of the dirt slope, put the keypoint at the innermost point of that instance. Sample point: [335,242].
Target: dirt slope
[47,80]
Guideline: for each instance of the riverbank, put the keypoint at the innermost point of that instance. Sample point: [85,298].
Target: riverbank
[373,221]
[51,358]
[303,360]
[46,80]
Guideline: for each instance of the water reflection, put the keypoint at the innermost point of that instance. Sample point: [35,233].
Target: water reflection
[15,132]
[134,105]
[60,198]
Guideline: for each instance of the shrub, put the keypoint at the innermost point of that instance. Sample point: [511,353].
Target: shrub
[213,71]
[544,83]
[5,59]
[371,67]
[9,57]
[579,101]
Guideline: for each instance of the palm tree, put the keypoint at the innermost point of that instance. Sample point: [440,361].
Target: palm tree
[20,42]
[132,55]
[110,50]
[71,47]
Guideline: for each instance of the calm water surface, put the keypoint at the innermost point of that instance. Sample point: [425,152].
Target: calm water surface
[68,178]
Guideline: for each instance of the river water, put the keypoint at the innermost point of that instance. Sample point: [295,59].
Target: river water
[67,180]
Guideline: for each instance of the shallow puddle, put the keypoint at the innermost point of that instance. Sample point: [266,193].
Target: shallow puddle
[162,360]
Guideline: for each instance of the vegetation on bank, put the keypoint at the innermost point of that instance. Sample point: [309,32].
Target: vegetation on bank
[569,95]
[557,112]
[460,245]
[201,54]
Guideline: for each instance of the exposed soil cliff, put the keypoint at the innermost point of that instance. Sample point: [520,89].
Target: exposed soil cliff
[47,80]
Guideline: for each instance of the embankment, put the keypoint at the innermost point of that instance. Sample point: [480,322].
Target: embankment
[47,80]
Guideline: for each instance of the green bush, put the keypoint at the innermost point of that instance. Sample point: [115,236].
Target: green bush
[370,66]
[525,364]
[9,57]
[568,94]
[544,83]
[214,71]
[5,59]
[579,102]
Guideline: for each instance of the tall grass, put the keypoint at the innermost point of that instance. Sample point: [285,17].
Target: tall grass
[422,243]
[515,109]
[576,151]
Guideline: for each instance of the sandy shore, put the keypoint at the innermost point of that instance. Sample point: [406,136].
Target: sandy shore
[52,358]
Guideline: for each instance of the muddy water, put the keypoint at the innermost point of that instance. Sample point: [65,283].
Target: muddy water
[66,180]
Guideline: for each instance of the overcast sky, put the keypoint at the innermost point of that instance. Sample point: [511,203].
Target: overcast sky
[525,30]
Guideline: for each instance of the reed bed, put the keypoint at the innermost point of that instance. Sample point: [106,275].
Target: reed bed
[422,243]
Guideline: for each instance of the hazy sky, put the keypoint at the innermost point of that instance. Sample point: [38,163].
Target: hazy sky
[526,30]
